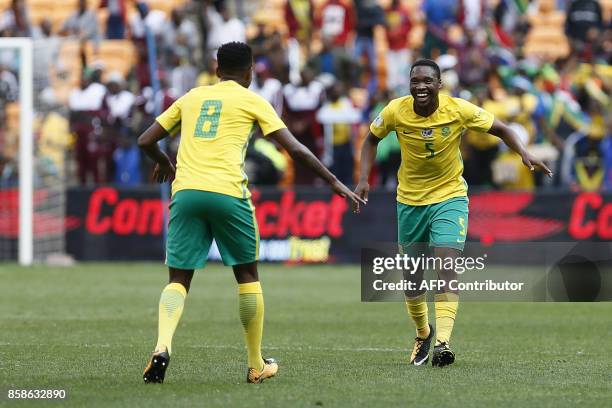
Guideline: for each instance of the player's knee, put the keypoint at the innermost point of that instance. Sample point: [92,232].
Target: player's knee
[181,276]
[246,273]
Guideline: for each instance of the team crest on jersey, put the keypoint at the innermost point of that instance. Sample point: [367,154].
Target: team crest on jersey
[445,131]
[378,122]
[427,133]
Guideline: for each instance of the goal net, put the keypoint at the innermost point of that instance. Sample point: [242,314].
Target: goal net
[33,137]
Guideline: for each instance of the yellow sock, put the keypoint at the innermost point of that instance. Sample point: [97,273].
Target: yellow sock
[417,309]
[171,305]
[446,310]
[251,306]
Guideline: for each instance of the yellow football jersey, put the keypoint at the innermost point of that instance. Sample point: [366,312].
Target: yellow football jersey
[215,123]
[431,169]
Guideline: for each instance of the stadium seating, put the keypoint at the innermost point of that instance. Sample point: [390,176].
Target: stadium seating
[546,38]
[112,55]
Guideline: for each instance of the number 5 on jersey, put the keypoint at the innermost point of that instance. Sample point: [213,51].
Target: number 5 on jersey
[430,149]
[208,121]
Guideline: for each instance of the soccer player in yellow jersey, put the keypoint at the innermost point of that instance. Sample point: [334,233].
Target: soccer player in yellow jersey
[432,204]
[210,199]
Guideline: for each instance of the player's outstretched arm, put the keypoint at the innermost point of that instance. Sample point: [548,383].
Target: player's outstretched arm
[368,155]
[300,153]
[164,169]
[505,133]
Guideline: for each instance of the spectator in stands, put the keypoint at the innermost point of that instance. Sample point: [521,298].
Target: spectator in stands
[508,170]
[369,15]
[583,24]
[301,104]
[180,35]
[117,15]
[14,22]
[9,92]
[183,74]
[46,50]
[119,101]
[339,117]
[259,41]
[508,17]
[335,61]
[440,15]
[480,150]
[164,97]
[141,70]
[472,14]
[85,104]
[276,53]
[585,167]
[224,29]
[145,18]
[54,138]
[388,153]
[9,87]
[398,55]
[82,24]
[337,21]
[299,15]
[448,74]
[270,46]
[9,176]
[208,76]
[472,58]
[267,87]
[126,159]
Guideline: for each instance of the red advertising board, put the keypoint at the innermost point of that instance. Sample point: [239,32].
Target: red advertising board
[315,226]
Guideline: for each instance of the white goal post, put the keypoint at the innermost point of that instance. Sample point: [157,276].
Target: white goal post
[26,146]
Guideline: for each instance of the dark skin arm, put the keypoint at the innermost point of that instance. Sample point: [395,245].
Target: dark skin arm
[302,154]
[499,129]
[164,169]
[368,155]
[507,135]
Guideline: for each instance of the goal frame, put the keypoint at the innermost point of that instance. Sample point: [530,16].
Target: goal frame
[26,146]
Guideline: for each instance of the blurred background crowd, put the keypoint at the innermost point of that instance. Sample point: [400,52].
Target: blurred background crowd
[328,67]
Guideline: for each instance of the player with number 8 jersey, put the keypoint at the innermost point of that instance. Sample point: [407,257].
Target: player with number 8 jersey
[210,198]
[216,123]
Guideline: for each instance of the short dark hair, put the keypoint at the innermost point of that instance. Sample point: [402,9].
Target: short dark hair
[424,62]
[234,56]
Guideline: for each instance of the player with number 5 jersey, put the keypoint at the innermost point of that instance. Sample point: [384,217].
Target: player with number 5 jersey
[432,204]
[210,198]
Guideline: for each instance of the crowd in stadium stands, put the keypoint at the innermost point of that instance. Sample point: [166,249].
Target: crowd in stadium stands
[328,67]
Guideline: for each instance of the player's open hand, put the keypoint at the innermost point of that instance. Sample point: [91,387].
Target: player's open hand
[342,190]
[163,172]
[362,190]
[531,162]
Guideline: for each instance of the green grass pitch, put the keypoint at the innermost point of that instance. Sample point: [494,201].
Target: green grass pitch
[89,329]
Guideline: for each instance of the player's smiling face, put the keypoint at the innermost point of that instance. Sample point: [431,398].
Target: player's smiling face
[424,85]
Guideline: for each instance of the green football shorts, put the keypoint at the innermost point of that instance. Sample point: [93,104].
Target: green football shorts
[442,225]
[196,217]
